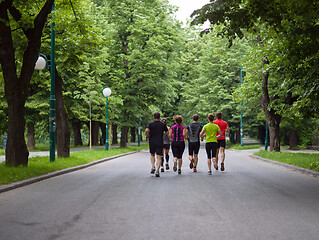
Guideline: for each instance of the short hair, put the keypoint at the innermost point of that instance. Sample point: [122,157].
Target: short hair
[156,115]
[195,117]
[178,119]
[219,115]
[211,117]
[164,120]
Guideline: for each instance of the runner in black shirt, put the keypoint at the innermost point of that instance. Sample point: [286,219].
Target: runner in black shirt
[154,131]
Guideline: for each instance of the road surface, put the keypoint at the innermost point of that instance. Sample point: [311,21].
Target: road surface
[120,199]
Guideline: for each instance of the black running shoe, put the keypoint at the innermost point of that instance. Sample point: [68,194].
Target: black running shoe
[157,174]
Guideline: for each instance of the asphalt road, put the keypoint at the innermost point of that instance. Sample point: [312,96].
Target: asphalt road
[120,199]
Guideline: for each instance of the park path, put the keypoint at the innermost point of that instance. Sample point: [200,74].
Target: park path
[120,199]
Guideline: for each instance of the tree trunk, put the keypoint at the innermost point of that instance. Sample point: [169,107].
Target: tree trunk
[124,133]
[237,136]
[103,129]
[293,140]
[262,134]
[114,134]
[16,88]
[133,134]
[16,150]
[30,136]
[62,123]
[273,119]
[95,133]
[76,126]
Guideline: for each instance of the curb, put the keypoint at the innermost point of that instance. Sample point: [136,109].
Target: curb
[292,167]
[29,181]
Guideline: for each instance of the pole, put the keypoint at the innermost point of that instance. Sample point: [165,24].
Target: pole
[52,94]
[139,131]
[107,122]
[266,138]
[90,126]
[241,113]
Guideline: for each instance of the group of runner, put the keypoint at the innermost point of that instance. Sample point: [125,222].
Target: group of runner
[162,136]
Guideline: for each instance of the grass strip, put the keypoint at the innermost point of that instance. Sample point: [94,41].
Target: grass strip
[41,165]
[304,160]
[2,152]
[244,147]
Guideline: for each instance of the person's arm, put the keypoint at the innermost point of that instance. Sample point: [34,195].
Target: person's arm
[220,134]
[167,132]
[170,133]
[185,133]
[202,133]
[147,132]
[227,128]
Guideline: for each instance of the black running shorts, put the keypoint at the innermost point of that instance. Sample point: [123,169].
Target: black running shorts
[156,148]
[211,149]
[221,143]
[166,146]
[178,148]
[193,148]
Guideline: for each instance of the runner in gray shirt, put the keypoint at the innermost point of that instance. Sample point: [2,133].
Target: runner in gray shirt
[193,130]
[166,143]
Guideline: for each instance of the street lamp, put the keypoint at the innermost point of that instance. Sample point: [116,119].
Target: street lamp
[41,63]
[106,92]
[241,113]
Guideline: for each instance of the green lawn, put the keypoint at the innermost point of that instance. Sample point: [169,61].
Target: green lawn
[304,160]
[244,147]
[41,165]
[2,152]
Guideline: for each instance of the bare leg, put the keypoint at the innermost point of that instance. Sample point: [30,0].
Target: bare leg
[222,154]
[217,155]
[180,162]
[153,159]
[159,161]
[215,164]
[195,160]
[209,162]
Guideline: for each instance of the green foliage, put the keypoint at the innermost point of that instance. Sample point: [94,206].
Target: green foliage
[290,36]
[143,50]
[41,165]
[304,160]
[244,147]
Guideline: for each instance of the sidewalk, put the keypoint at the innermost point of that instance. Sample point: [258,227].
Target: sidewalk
[47,153]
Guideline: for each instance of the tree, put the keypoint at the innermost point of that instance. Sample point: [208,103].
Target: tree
[143,40]
[30,22]
[291,21]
